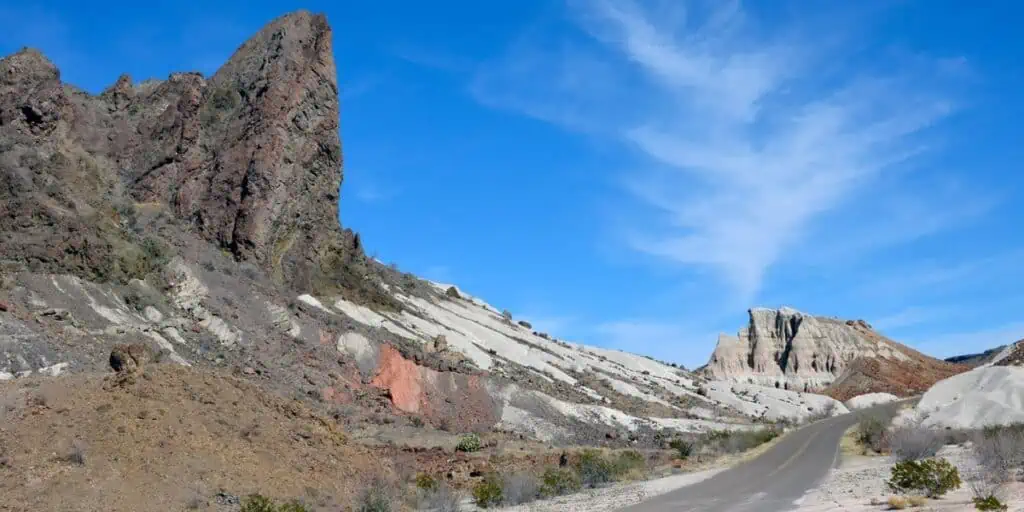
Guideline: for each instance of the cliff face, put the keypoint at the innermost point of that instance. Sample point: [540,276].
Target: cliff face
[789,349]
[250,159]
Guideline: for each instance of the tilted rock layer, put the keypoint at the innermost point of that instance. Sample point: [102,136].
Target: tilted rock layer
[789,349]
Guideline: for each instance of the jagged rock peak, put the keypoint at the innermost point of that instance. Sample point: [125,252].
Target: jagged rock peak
[250,158]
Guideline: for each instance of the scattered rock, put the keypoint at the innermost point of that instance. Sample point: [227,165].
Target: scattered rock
[4,306]
[128,358]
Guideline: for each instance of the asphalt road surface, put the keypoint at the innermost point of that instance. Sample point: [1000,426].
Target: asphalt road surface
[771,482]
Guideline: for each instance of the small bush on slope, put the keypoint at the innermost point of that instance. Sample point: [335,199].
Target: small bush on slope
[440,498]
[519,488]
[468,443]
[934,477]
[557,482]
[259,503]
[488,493]
[683,448]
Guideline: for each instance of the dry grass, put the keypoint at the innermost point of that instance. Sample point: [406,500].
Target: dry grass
[902,502]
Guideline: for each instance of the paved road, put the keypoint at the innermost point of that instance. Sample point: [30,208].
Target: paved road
[772,482]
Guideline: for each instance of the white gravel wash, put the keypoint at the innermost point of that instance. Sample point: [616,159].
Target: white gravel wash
[854,485]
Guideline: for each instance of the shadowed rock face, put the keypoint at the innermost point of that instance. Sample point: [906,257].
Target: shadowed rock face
[250,158]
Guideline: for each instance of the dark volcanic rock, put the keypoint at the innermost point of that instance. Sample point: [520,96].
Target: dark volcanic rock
[250,159]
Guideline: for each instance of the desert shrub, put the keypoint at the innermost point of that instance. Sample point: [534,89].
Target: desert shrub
[519,488]
[507,316]
[914,442]
[526,324]
[488,493]
[452,292]
[1000,452]
[725,441]
[872,431]
[683,448]
[933,477]
[260,503]
[76,455]
[376,497]
[468,443]
[426,482]
[557,481]
[629,462]
[595,469]
[441,498]
[416,421]
[989,502]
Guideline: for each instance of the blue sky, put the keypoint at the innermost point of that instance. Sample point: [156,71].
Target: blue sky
[637,174]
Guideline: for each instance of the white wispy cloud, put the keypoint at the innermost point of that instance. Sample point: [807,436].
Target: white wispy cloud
[748,133]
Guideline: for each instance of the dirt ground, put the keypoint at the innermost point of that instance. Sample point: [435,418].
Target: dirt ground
[174,438]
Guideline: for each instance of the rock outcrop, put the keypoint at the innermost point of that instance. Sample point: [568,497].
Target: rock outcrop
[792,350]
[228,156]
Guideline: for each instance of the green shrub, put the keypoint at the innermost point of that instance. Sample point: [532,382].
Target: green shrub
[425,482]
[627,462]
[452,292]
[595,469]
[259,503]
[934,477]
[683,448]
[488,493]
[557,482]
[468,443]
[989,503]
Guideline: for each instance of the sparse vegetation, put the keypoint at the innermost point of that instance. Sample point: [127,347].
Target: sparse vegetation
[426,482]
[76,454]
[377,496]
[441,498]
[452,293]
[488,493]
[872,430]
[1000,452]
[683,448]
[558,481]
[507,316]
[914,442]
[933,477]
[468,443]
[990,503]
[725,441]
[519,488]
[526,324]
[260,503]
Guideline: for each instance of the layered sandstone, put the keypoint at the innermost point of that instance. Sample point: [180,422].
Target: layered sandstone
[789,349]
